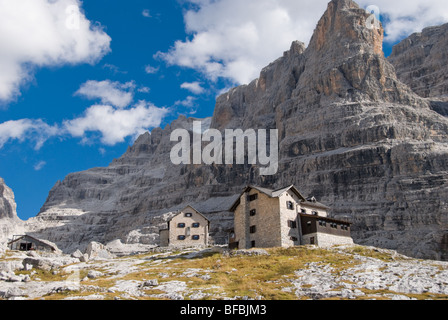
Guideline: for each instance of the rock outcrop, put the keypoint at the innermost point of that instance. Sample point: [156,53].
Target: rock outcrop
[9,222]
[421,62]
[8,205]
[351,133]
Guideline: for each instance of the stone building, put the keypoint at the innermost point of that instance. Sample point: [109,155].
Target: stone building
[188,228]
[283,218]
[29,243]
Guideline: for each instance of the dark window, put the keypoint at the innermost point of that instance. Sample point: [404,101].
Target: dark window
[195,237]
[290,205]
[292,224]
[180,237]
[308,223]
[293,238]
[322,223]
[195,225]
[253,197]
[314,213]
[252,229]
[253,212]
[188,214]
[312,240]
[181,225]
[303,210]
[252,244]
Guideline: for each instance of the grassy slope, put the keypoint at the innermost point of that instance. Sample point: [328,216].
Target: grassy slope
[212,275]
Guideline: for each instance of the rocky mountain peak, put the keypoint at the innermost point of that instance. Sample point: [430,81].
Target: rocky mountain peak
[344,60]
[7,203]
[345,28]
[350,133]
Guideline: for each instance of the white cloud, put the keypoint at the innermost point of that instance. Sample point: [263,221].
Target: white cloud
[114,69]
[41,33]
[144,90]
[115,125]
[115,93]
[188,102]
[146,13]
[235,39]
[407,17]
[194,87]
[150,69]
[38,166]
[36,131]
[112,125]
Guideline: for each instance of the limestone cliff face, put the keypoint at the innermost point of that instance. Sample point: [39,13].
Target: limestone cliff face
[351,134]
[9,222]
[7,203]
[421,61]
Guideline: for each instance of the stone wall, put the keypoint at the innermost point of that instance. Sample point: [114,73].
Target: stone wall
[188,230]
[266,221]
[326,240]
[286,232]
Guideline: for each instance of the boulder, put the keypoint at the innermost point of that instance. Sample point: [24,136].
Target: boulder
[98,251]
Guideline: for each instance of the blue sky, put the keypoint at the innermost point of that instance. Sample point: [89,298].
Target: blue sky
[76,98]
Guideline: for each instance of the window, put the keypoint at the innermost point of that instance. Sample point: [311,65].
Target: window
[293,238]
[312,240]
[180,237]
[253,197]
[181,225]
[188,214]
[308,223]
[196,225]
[252,229]
[292,224]
[303,210]
[252,212]
[252,244]
[322,223]
[290,205]
[314,213]
[195,237]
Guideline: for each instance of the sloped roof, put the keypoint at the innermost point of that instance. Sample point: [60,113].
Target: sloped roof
[41,241]
[186,209]
[269,192]
[314,203]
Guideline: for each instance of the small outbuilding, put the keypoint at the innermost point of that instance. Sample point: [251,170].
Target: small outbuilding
[29,243]
[188,228]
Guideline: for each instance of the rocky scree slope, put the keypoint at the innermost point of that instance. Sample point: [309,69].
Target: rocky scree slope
[300,273]
[351,133]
